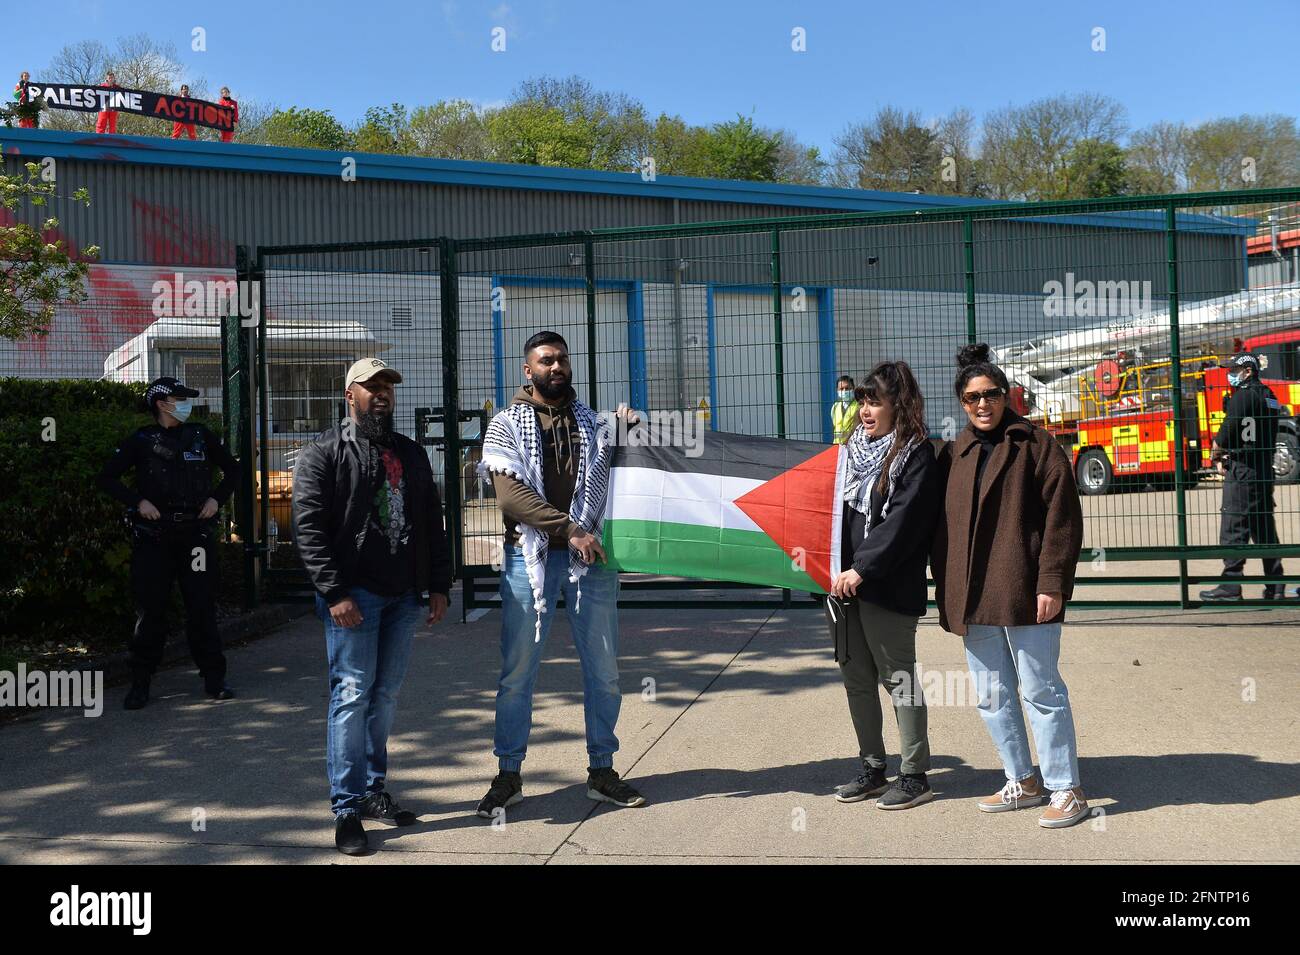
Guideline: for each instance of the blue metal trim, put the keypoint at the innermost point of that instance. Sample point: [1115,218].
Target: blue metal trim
[713,358]
[202,154]
[636,345]
[498,346]
[826,355]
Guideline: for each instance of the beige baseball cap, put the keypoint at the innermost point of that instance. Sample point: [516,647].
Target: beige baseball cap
[366,368]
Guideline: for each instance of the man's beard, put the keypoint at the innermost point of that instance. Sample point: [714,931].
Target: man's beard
[376,426]
[549,391]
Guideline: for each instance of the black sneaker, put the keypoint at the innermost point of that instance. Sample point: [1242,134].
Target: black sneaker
[349,835]
[381,806]
[603,785]
[219,691]
[507,789]
[908,790]
[1275,592]
[138,696]
[1224,593]
[871,782]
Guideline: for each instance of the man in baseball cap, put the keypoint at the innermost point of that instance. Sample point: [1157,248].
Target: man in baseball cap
[364,369]
[368,522]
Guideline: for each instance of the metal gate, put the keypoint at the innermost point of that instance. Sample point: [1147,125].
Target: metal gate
[1112,317]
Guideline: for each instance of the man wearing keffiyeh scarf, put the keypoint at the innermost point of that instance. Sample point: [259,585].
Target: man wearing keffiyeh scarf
[548,460]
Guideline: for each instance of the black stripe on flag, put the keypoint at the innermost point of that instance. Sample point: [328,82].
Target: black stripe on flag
[730,455]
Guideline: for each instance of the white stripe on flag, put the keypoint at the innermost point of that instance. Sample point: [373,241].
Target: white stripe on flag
[837,519]
[647,494]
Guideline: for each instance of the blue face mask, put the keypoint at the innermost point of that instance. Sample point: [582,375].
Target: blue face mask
[182,410]
[845,395]
[1234,378]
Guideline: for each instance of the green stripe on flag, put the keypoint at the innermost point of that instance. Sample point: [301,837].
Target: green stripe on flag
[694,550]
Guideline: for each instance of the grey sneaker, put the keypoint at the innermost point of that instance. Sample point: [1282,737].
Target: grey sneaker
[870,782]
[909,789]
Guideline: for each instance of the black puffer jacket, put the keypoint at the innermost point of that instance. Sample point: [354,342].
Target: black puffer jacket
[333,489]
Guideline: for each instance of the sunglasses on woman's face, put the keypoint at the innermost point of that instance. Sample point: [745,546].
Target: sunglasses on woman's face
[973,397]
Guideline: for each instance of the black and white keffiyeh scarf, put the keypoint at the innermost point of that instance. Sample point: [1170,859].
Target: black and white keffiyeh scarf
[512,445]
[864,459]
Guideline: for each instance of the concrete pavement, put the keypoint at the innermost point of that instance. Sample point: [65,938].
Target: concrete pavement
[734,725]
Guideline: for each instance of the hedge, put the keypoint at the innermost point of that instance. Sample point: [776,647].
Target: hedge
[64,549]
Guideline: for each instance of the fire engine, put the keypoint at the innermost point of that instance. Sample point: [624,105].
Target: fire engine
[1109,394]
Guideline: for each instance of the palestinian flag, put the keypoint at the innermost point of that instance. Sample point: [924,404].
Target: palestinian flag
[754,510]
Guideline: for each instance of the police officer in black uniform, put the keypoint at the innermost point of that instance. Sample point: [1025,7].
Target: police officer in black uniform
[171,513]
[1244,449]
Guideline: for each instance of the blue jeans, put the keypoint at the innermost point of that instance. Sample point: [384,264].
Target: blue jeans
[595,637]
[367,663]
[1014,663]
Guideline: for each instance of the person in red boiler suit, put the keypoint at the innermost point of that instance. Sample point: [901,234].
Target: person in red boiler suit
[106,122]
[228,135]
[179,127]
[20,97]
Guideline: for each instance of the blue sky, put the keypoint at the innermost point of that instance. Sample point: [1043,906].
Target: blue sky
[1189,61]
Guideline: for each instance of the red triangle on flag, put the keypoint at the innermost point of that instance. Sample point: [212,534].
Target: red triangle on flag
[798,509]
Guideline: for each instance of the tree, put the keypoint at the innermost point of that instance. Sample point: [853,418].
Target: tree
[385,129]
[607,125]
[890,151]
[1244,152]
[534,134]
[740,150]
[36,273]
[676,148]
[1157,158]
[797,163]
[1024,151]
[451,129]
[894,150]
[305,129]
[1095,170]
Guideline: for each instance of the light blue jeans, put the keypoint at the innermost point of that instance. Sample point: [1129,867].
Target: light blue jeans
[367,664]
[1014,663]
[595,637]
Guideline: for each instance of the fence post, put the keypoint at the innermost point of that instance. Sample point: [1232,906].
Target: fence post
[238,394]
[777,333]
[589,270]
[449,305]
[968,259]
[264,422]
[1176,400]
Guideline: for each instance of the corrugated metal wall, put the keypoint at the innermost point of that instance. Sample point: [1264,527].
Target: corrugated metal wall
[178,216]
[171,215]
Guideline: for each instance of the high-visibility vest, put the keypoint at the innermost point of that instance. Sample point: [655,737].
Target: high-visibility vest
[843,419]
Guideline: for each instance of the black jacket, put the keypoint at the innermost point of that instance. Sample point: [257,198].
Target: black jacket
[1249,429]
[892,558]
[333,490]
[173,468]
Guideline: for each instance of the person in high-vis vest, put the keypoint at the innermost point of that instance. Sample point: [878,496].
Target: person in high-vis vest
[844,412]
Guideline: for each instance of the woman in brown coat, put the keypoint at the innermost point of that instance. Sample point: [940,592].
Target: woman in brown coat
[1004,559]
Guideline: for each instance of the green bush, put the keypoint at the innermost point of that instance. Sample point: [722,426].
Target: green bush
[64,549]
